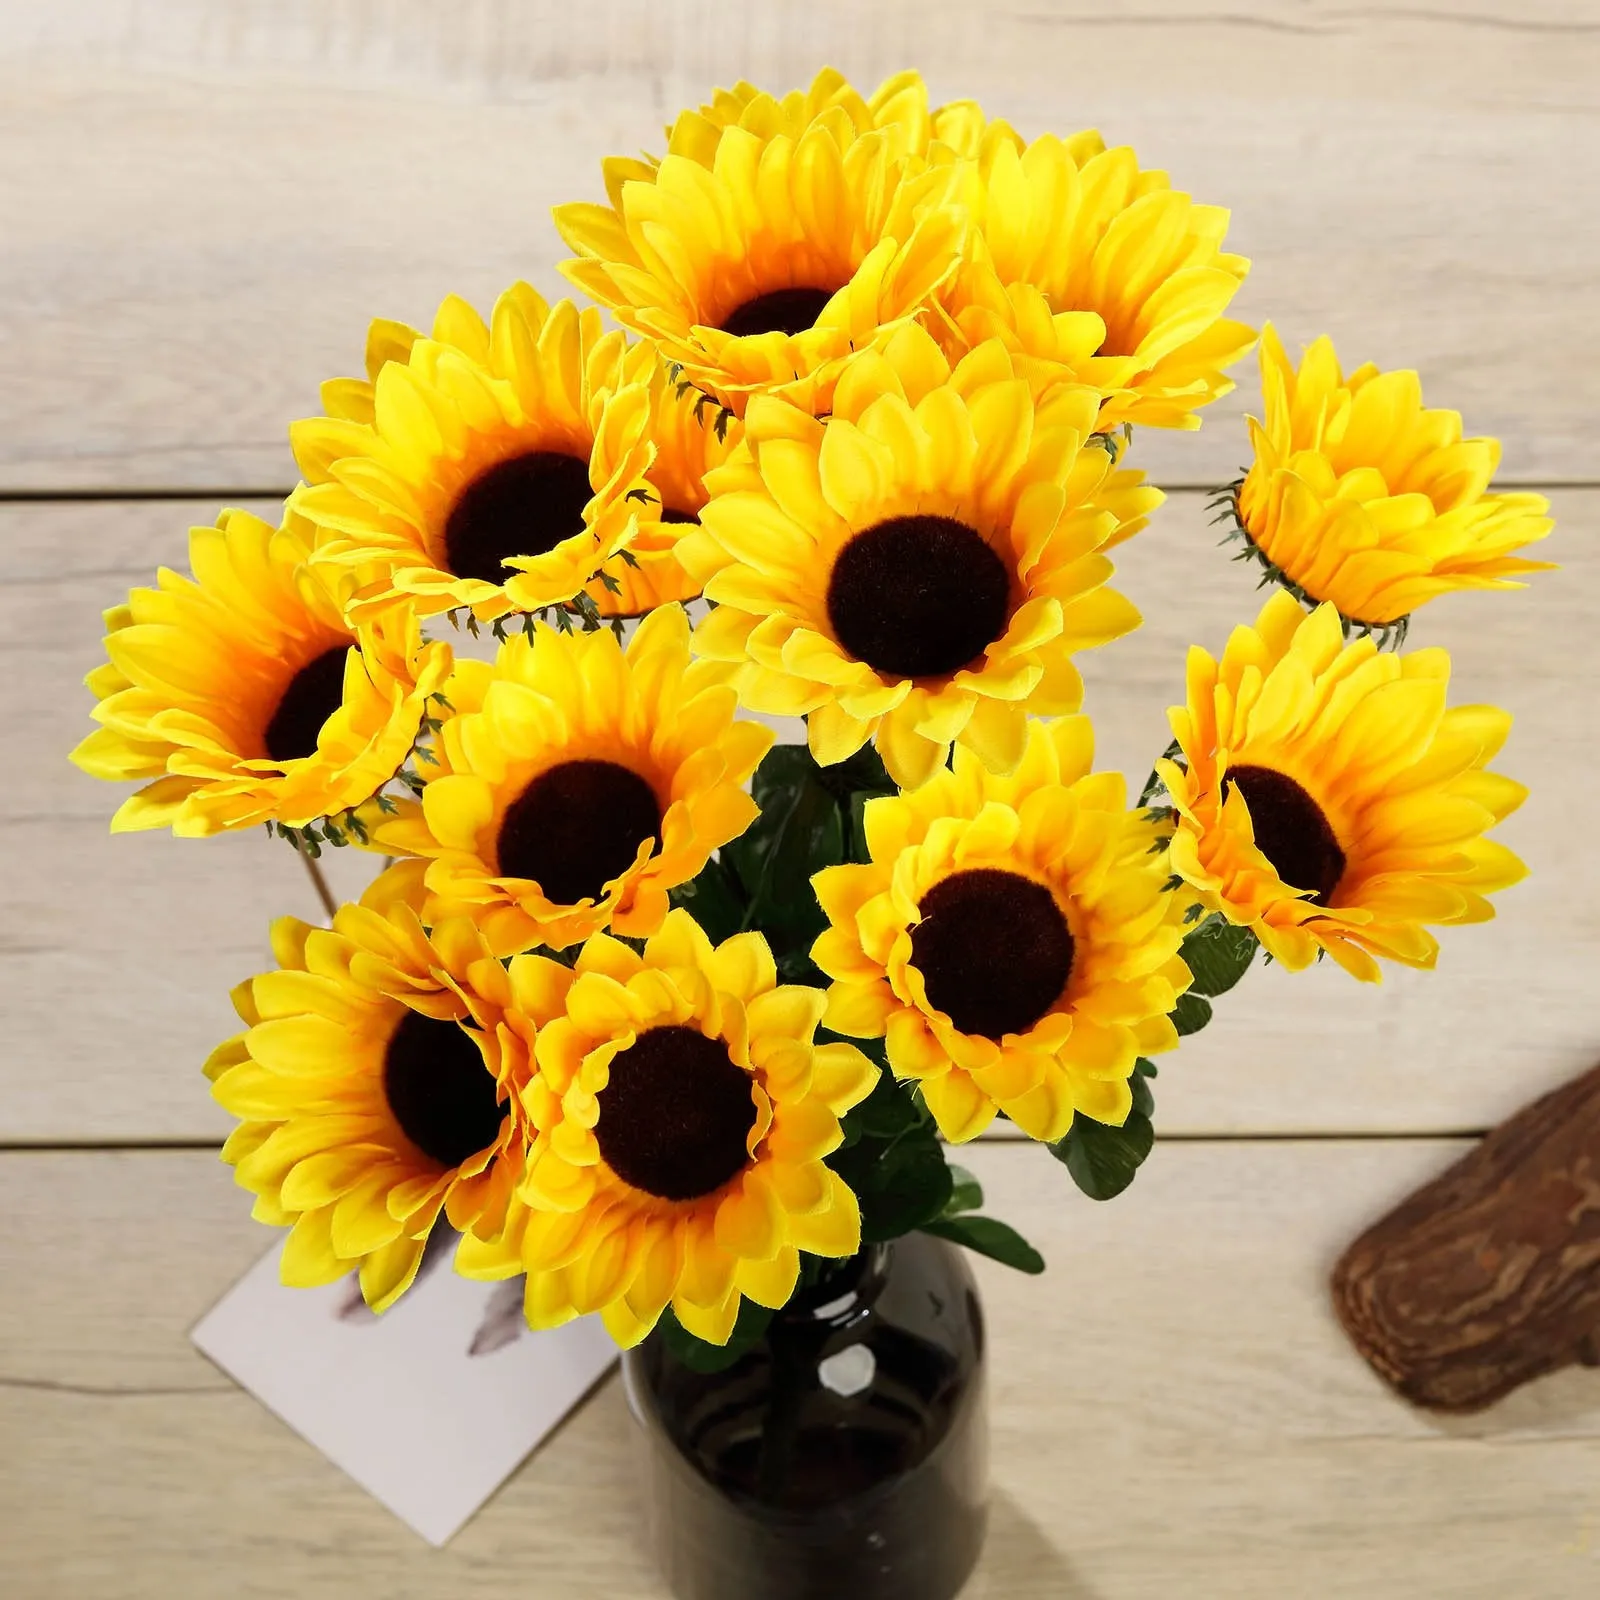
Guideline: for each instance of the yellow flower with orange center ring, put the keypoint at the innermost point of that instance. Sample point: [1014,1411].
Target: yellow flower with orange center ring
[684,1115]
[243,695]
[691,438]
[1361,497]
[759,254]
[367,1101]
[921,567]
[1328,800]
[1084,261]
[502,464]
[1013,939]
[577,783]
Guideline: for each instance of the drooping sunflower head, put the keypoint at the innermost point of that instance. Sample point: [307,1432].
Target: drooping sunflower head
[685,1112]
[377,1084]
[501,466]
[242,695]
[1088,263]
[762,249]
[1013,938]
[921,567]
[1361,497]
[691,438]
[577,784]
[1326,797]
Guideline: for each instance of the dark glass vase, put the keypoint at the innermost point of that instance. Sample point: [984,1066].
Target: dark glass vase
[844,1456]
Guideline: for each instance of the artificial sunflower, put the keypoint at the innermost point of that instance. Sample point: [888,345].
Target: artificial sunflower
[690,439]
[920,568]
[1359,496]
[502,464]
[1085,262]
[366,1096]
[759,253]
[685,1112]
[899,106]
[1328,800]
[1013,939]
[244,696]
[577,784]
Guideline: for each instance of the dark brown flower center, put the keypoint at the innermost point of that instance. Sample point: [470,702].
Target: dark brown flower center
[314,693]
[675,1115]
[576,827]
[441,1092]
[993,949]
[672,514]
[918,597]
[1291,831]
[523,506]
[788,311]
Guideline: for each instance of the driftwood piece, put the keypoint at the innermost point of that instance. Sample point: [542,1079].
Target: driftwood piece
[1490,1275]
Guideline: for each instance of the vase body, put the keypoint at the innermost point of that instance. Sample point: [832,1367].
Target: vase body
[843,1457]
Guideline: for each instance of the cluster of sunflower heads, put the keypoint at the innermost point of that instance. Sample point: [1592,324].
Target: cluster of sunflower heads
[660,1015]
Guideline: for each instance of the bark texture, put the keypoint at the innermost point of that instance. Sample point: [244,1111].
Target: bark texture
[1490,1275]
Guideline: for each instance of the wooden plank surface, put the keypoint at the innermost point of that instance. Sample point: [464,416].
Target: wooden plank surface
[119,953]
[205,200]
[1175,1412]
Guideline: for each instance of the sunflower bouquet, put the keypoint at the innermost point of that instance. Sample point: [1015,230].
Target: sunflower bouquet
[659,1013]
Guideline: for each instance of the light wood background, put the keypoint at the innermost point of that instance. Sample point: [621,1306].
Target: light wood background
[201,203]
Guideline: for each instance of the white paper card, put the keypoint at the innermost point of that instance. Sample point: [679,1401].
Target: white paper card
[429,1407]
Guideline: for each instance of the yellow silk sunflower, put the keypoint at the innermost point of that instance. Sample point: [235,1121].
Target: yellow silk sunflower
[242,695]
[690,439]
[500,468]
[577,784]
[920,568]
[366,1101]
[1328,800]
[1361,497]
[1012,938]
[759,253]
[684,1114]
[1086,262]
[898,106]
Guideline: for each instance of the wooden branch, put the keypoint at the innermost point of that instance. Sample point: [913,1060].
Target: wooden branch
[1490,1275]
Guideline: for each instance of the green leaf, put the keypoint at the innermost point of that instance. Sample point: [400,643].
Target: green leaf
[799,832]
[856,846]
[700,1356]
[1144,1100]
[714,899]
[1218,954]
[902,1183]
[1191,1014]
[1102,1159]
[784,768]
[889,1110]
[989,1237]
[966,1193]
[862,773]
